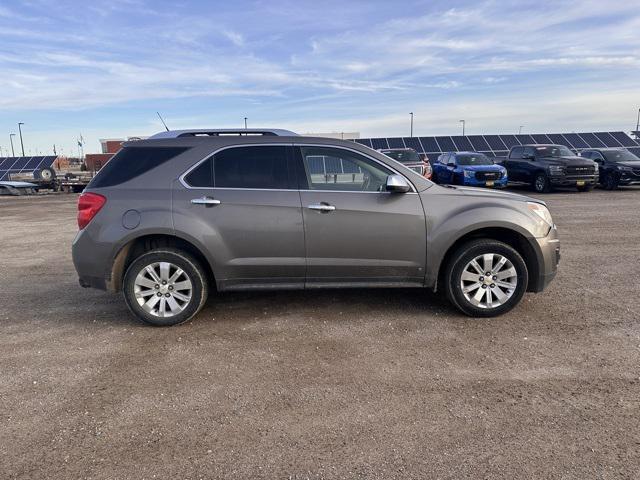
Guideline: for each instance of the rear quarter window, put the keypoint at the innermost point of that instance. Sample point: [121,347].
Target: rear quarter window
[131,162]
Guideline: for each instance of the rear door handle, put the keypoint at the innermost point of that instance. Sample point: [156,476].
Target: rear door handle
[207,201]
[322,207]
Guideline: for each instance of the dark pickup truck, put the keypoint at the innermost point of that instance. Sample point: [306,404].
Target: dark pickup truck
[547,166]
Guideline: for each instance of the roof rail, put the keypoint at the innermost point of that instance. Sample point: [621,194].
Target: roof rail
[219,132]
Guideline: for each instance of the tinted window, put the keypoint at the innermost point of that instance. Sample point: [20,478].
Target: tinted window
[201,176]
[131,162]
[252,167]
[516,152]
[621,156]
[342,170]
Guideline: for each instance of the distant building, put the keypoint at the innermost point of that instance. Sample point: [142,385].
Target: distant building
[338,135]
[109,147]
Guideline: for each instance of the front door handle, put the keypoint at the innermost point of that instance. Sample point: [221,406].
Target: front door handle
[322,207]
[207,201]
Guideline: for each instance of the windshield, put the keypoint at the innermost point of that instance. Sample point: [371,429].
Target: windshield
[403,156]
[620,156]
[477,159]
[554,151]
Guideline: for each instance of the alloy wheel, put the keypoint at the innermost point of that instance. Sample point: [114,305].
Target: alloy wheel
[163,289]
[489,280]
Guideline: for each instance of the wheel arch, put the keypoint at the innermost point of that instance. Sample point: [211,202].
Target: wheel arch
[511,237]
[134,247]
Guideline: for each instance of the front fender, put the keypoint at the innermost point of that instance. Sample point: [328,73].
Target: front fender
[451,219]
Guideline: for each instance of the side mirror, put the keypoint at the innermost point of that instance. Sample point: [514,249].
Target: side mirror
[397,184]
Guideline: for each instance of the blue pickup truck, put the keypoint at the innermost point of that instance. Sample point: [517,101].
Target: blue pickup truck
[469,168]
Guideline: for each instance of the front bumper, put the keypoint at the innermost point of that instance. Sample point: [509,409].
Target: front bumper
[472,182]
[566,181]
[548,260]
[629,178]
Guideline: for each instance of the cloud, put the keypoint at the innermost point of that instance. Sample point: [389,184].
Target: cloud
[354,65]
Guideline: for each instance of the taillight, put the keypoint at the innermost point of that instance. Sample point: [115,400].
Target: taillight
[88,205]
[426,170]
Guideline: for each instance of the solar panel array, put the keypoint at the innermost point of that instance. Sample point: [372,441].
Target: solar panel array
[15,165]
[499,145]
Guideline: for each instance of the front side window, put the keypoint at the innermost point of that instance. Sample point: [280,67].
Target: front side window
[263,167]
[330,168]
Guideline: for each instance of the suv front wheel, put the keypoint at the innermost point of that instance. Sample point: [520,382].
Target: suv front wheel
[165,287]
[486,278]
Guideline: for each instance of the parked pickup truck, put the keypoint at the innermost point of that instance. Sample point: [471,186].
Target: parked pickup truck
[547,166]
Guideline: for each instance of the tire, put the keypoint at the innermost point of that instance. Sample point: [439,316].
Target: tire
[193,280]
[460,264]
[585,188]
[46,173]
[610,182]
[541,183]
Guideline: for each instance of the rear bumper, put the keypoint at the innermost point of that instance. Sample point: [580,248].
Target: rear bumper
[548,260]
[88,259]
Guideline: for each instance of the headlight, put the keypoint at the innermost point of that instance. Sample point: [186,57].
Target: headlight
[556,169]
[469,174]
[541,211]
[595,164]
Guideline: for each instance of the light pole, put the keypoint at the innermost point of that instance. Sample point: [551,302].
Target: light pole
[11,135]
[20,130]
[638,124]
[463,125]
[520,129]
[411,130]
[245,123]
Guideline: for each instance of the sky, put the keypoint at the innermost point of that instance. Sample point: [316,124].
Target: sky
[103,69]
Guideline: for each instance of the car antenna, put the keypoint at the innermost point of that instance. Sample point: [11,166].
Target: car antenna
[165,125]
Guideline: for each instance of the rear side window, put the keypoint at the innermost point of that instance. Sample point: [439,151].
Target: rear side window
[201,176]
[262,167]
[516,152]
[131,162]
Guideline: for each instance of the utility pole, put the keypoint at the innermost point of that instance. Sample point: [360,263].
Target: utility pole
[411,131]
[463,125]
[11,135]
[21,142]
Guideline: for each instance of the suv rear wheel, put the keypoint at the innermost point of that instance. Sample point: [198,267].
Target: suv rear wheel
[165,287]
[486,278]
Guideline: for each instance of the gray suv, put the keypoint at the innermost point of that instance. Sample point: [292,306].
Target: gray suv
[183,212]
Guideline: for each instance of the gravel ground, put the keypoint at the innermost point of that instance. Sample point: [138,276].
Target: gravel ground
[323,384]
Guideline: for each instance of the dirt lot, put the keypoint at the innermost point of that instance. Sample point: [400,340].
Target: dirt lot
[333,384]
